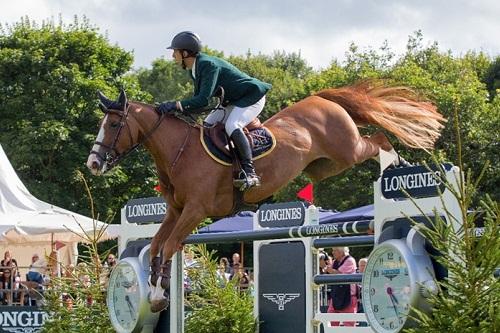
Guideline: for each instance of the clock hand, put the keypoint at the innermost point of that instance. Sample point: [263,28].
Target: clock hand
[394,301]
[131,307]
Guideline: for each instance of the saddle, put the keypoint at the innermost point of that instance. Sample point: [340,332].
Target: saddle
[217,143]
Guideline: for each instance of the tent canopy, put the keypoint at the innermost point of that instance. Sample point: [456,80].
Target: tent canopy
[244,220]
[24,218]
[29,225]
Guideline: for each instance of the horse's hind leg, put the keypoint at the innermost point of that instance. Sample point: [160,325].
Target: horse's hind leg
[348,155]
[364,148]
[380,140]
[368,147]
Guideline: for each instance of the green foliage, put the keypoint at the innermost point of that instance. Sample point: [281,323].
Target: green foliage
[165,81]
[468,300]
[217,306]
[286,72]
[76,302]
[492,78]
[49,76]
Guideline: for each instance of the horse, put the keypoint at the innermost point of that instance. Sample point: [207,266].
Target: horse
[317,135]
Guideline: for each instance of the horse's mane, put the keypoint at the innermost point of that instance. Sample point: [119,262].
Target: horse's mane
[176,115]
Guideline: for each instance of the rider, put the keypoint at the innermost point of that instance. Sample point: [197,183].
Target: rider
[244,97]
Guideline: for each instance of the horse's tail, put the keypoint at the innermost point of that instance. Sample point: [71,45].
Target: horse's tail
[397,109]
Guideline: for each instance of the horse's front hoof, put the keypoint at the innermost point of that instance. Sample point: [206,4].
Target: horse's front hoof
[158,305]
[154,274]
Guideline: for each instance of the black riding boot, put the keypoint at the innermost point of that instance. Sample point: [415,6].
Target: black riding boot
[248,177]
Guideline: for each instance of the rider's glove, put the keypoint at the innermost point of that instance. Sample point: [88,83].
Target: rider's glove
[166,107]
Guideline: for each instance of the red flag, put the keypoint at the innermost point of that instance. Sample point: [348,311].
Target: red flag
[306,193]
[58,245]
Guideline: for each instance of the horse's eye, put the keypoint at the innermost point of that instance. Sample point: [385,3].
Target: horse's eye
[114,124]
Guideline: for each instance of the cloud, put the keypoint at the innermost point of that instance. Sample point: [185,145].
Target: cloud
[321,30]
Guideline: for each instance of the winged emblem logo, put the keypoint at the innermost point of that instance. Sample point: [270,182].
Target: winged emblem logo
[281,299]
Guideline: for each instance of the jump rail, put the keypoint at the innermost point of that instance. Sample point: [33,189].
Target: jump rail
[339,228]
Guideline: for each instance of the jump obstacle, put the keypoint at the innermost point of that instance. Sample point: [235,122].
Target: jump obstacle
[286,261]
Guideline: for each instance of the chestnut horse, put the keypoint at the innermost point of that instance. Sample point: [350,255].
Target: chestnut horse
[317,135]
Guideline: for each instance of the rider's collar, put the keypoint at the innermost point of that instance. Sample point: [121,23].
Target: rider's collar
[193,70]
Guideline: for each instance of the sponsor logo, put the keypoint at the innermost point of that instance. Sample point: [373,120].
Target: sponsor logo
[22,321]
[281,299]
[415,181]
[145,210]
[282,214]
[324,229]
[391,273]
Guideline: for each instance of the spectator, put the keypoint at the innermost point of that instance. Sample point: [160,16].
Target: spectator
[225,263]
[11,287]
[324,261]
[243,281]
[52,264]
[37,269]
[251,286]
[222,276]
[361,269]
[190,265]
[86,282]
[236,261]
[236,258]
[111,261]
[343,297]
[362,265]
[9,262]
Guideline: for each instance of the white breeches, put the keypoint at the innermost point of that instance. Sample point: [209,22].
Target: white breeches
[235,117]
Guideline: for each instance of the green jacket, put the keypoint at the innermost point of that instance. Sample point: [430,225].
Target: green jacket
[210,72]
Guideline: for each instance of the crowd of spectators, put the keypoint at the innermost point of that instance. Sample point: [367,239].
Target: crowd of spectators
[26,285]
[17,290]
[227,270]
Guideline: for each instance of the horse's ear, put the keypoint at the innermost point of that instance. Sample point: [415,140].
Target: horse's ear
[103,107]
[104,100]
[122,99]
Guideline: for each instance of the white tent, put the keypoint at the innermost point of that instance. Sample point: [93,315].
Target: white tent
[29,225]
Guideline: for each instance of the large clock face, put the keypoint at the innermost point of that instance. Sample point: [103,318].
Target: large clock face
[124,297]
[387,289]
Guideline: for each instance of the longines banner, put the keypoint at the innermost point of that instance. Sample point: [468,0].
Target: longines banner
[21,319]
[418,182]
[286,214]
[146,210]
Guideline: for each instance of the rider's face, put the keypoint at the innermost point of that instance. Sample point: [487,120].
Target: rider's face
[177,55]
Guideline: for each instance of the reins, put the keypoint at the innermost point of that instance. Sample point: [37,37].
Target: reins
[113,156]
[114,160]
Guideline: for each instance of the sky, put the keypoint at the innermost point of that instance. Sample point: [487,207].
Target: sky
[320,30]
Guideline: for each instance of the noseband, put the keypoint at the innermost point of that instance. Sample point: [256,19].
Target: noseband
[112,156]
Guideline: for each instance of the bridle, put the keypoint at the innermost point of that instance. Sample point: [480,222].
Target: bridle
[112,156]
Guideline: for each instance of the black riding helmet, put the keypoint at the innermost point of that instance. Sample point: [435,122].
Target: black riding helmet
[186,40]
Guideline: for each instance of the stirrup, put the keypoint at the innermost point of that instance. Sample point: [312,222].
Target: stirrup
[246,182]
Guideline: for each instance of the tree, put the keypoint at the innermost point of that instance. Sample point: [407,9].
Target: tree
[49,76]
[492,78]
[452,83]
